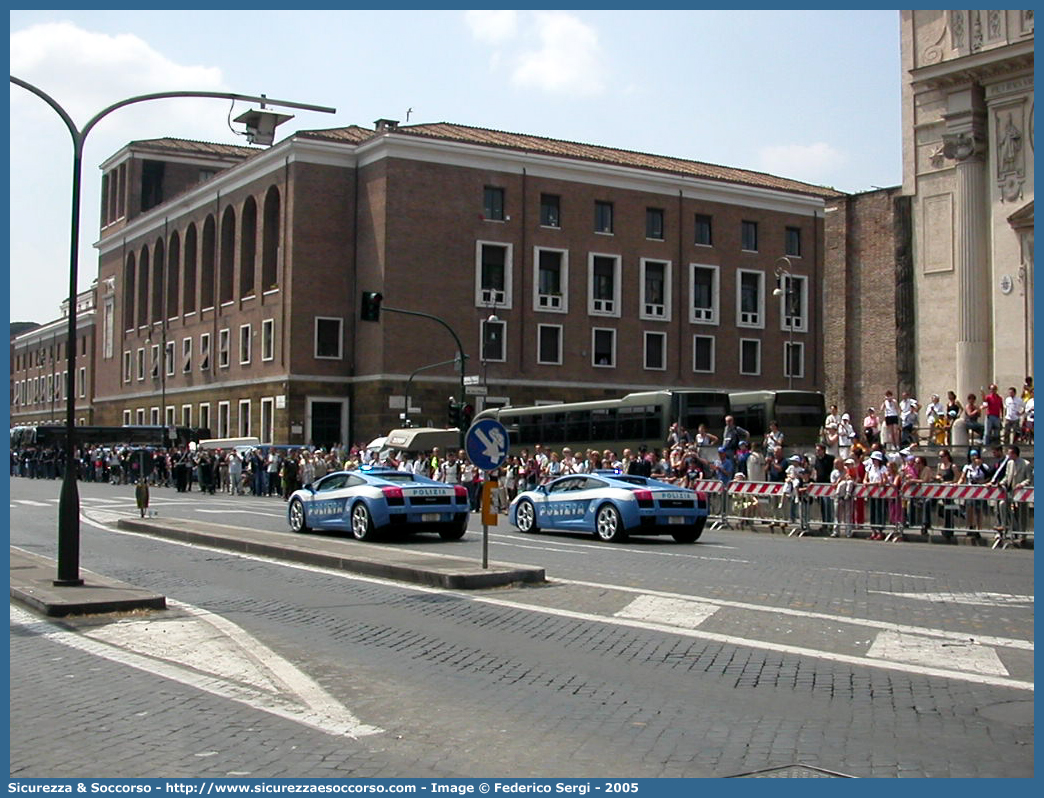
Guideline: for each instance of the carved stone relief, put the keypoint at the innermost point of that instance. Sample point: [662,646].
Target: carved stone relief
[1009,125]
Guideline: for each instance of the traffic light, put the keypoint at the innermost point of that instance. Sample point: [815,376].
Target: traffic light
[467,412]
[453,415]
[370,306]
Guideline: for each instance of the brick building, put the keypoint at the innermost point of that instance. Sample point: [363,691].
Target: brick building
[232,278]
[39,366]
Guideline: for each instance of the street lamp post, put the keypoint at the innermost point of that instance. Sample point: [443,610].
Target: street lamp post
[69,499]
[783,273]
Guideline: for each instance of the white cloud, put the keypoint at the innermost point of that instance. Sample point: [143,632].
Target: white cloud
[492,27]
[813,163]
[568,59]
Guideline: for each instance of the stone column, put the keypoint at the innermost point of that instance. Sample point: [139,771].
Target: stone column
[966,144]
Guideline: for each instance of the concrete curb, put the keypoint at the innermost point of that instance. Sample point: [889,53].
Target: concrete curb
[32,584]
[387,562]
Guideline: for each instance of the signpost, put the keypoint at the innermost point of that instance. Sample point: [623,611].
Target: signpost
[486,444]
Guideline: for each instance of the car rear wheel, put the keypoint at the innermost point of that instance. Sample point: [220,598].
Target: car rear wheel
[456,529]
[687,536]
[298,522]
[525,517]
[362,523]
[609,525]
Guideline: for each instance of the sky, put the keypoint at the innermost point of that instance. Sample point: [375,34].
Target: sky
[808,95]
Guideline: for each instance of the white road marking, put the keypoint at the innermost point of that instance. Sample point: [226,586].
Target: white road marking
[211,654]
[936,653]
[564,546]
[858,661]
[978,599]
[31,503]
[675,612]
[237,511]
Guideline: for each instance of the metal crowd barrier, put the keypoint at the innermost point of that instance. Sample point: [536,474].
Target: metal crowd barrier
[918,508]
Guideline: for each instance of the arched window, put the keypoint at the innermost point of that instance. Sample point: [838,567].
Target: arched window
[227,267]
[270,241]
[143,287]
[247,248]
[156,284]
[129,275]
[209,255]
[173,274]
[188,290]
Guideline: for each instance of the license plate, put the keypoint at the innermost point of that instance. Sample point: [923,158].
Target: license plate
[430,518]
[676,519]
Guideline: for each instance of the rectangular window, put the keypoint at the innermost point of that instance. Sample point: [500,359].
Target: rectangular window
[655,351]
[551,280]
[749,236]
[328,338]
[603,347]
[703,230]
[154,417]
[267,419]
[244,344]
[654,223]
[493,274]
[603,217]
[493,203]
[268,339]
[604,282]
[109,326]
[141,363]
[792,242]
[154,361]
[750,299]
[168,357]
[186,415]
[656,290]
[171,412]
[750,356]
[244,418]
[223,349]
[127,366]
[126,418]
[223,419]
[81,382]
[549,344]
[550,215]
[703,353]
[204,352]
[493,344]
[186,355]
[793,303]
[704,307]
[139,416]
[793,359]
[204,416]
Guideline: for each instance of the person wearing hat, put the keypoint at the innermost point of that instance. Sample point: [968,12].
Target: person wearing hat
[877,474]
[846,436]
[974,473]
[935,416]
[844,477]
[724,466]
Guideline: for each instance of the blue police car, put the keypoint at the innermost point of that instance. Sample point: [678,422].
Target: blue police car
[612,506]
[368,501]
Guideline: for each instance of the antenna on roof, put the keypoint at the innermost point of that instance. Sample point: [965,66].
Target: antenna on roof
[408,112]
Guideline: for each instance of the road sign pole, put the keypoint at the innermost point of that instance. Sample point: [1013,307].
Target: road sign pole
[486,445]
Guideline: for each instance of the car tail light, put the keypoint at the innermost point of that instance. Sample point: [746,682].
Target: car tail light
[461,493]
[644,498]
[393,496]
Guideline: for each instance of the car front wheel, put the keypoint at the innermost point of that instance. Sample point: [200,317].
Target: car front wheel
[525,517]
[362,523]
[298,522]
[609,525]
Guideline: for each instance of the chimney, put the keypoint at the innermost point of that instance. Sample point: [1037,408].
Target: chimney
[386,125]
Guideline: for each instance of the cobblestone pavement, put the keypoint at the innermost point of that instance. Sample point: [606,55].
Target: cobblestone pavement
[565,680]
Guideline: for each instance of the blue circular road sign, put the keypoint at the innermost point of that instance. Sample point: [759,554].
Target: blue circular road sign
[487,444]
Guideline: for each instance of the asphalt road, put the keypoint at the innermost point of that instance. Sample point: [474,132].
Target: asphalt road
[743,651]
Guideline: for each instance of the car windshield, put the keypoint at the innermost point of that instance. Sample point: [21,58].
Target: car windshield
[396,476]
[632,479]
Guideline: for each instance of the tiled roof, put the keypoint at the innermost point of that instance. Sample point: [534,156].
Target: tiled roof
[588,152]
[187,147]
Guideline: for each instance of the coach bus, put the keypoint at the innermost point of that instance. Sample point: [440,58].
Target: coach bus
[50,435]
[633,421]
[800,414]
